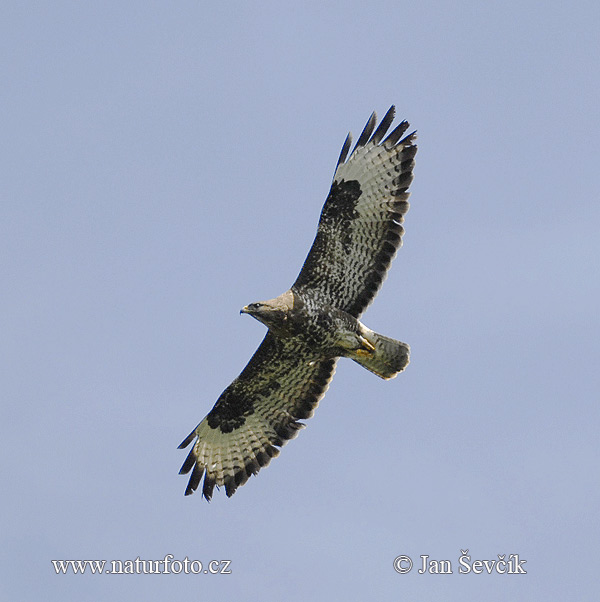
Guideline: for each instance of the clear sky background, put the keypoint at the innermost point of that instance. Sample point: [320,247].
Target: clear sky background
[165,163]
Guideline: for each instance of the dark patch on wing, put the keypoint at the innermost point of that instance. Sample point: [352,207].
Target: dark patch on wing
[230,411]
[337,214]
[237,401]
[280,386]
[350,256]
[341,202]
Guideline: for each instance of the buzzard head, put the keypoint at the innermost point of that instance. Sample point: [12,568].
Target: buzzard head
[273,313]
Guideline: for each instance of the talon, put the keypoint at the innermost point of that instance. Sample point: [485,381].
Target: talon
[364,352]
[367,344]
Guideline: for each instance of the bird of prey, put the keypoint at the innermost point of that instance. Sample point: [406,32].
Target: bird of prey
[316,321]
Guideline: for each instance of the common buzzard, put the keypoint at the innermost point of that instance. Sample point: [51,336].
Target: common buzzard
[316,321]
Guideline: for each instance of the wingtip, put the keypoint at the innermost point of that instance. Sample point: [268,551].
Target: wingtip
[188,439]
[384,125]
[366,133]
[208,487]
[189,463]
[345,149]
[396,134]
[373,135]
[412,136]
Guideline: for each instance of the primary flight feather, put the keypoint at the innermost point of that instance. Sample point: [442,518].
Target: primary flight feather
[316,321]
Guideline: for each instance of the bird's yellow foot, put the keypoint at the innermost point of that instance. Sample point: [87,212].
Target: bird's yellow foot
[367,344]
[367,348]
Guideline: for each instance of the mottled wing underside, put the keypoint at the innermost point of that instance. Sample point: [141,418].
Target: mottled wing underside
[360,226]
[255,415]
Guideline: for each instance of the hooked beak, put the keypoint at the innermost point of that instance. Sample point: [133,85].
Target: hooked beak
[244,310]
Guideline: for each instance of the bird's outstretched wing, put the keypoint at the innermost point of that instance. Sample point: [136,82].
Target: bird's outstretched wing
[255,415]
[360,226]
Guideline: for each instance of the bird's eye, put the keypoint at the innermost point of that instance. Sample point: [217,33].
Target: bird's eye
[256,305]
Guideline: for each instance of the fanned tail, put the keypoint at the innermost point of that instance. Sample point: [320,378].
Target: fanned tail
[387,358]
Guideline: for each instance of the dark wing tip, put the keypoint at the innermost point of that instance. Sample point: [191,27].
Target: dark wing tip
[345,149]
[366,133]
[411,138]
[396,134]
[230,485]
[188,439]
[370,134]
[189,462]
[384,126]
[208,487]
[195,479]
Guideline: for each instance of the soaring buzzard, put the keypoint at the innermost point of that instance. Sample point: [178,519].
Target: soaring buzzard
[316,321]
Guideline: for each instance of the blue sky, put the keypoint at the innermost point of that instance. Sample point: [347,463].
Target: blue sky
[165,163]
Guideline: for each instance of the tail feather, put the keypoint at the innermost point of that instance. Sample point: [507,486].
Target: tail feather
[387,358]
